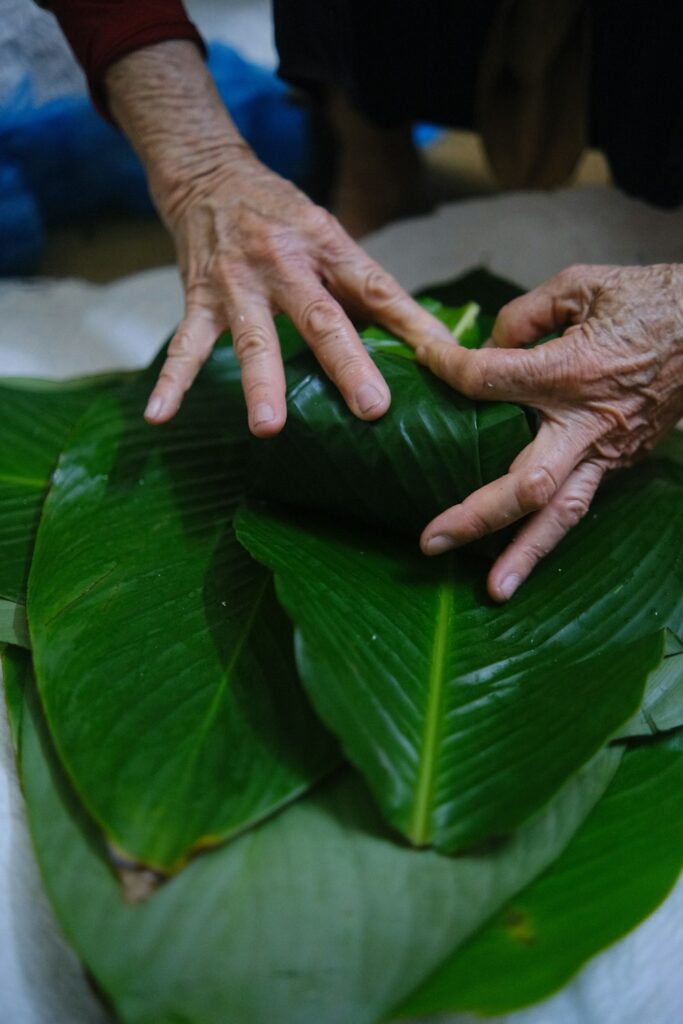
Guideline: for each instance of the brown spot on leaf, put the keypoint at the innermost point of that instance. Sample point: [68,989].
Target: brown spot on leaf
[519,925]
[137,882]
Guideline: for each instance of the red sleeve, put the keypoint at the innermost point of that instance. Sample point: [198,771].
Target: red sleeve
[102,31]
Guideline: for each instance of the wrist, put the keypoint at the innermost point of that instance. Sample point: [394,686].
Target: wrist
[165,101]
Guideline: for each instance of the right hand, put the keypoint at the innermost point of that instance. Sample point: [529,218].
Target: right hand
[251,245]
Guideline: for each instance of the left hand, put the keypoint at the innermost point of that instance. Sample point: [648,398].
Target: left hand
[607,390]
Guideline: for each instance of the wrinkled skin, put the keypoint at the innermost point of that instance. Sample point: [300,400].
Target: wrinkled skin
[607,390]
[251,245]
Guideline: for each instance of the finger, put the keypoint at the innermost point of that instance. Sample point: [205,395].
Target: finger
[338,348]
[562,300]
[490,374]
[189,349]
[532,481]
[544,531]
[363,284]
[256,345]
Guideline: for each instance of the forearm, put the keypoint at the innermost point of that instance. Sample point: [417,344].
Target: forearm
[165,101]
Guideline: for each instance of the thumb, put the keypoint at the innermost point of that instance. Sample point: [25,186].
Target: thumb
[562,300]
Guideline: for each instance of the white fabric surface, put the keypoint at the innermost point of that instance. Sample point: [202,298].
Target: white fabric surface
[60,329]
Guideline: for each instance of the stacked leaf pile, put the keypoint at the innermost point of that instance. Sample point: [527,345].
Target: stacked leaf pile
[280,767]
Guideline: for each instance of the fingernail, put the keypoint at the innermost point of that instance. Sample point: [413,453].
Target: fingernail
[509,585]
[368,397]
[154,407]
[263,413]
[437,545]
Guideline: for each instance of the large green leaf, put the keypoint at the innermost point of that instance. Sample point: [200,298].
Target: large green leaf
[314,916]
[618,867]
[431,449]
[163,659]
[465,717]
[37,417]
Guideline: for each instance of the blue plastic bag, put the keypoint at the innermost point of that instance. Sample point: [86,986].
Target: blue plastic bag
[60,162]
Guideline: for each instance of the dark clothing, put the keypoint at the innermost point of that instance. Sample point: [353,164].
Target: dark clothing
[102,31]
[397,62]
[637,95]
[417,61]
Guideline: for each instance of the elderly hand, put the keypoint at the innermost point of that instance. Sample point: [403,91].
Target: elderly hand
[249,245]
[607,390]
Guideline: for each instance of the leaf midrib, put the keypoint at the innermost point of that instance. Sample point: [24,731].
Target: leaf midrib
[421,822]
[226,676]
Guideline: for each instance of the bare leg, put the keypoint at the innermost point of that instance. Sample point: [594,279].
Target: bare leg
[378,171]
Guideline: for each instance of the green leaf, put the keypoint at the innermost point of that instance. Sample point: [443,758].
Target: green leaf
[315,916]
[164,661]
[662,706]
[465,717]
[619,866]
[466,323]
[13,624]
[431,449]
[37,417]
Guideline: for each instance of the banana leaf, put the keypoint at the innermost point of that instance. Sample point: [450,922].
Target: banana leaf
[164,660]
[430,450]
[37,417]
[662,706]
[316,915]
[619,866]
[13,624]
[465,717]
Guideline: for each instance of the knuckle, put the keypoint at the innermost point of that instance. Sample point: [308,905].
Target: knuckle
[321,319]
[472,377]
[319,221]
[182,346]
[195,294]
[169,376]
[251,343]
[578,275]
[572,510]
[506,313]
[178,375]
[536,488]
[505,322]
[474,523]
[350,369]
[532,553]
[380,288]
[571,273]
[267,246]
[256,388]
[229,276]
